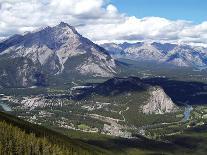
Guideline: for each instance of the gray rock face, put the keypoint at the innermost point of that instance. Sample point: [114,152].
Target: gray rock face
[178,55]
[59,49]
[159,102]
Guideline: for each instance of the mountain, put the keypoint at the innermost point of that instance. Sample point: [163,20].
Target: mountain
[152,99]
[112,87]
[117,86]
[58,50]
[178,55]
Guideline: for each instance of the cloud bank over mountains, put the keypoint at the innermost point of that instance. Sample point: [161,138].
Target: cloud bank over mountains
[99,20]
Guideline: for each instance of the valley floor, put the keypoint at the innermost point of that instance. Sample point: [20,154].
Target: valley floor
[117,123]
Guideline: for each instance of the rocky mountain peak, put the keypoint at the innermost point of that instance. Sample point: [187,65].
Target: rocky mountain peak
[66,27]
[63,24]
[60,50]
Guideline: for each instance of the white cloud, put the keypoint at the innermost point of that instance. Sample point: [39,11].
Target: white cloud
[96,19]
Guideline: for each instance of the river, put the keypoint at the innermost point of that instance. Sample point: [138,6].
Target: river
[187,112]
[5,106]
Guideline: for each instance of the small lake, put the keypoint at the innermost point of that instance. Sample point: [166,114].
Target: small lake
[5,106]
[187,112]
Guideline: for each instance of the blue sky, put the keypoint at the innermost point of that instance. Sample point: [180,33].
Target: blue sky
[111,20]
[193,10]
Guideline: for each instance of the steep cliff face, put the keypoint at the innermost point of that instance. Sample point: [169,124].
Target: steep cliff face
[159,102]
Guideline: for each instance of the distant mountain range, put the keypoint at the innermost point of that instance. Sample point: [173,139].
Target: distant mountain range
[26,59]
[61,52]
[178,55]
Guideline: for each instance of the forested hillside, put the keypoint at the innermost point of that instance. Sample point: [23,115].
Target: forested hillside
[22,138]
[15,141]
